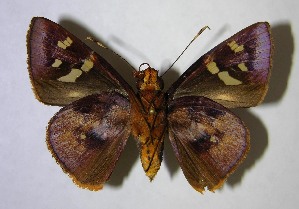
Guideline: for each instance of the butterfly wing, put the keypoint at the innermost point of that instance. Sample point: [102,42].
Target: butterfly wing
[87,136]
[63,69]
[209,140]
[235,73]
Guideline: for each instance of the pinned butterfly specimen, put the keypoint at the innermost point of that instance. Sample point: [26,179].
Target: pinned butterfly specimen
[87,136]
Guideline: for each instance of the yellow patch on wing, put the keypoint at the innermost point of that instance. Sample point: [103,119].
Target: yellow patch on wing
[235,47]
[212,67]
[57,63]
[225,97]
[242,66]
[66,43]
[82,136]
[213,139]
[87,65]
[227,79]
[72,76]
[75,94]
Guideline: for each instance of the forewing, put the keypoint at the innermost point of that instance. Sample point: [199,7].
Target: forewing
[87,136]
[63,69]
[235,73]
[209,141]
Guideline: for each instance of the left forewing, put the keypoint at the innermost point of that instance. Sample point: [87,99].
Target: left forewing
[63,69]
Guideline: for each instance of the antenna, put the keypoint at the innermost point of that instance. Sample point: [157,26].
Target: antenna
[195,37]
[105,47]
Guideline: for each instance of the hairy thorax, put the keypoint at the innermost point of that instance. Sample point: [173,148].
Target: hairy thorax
[149,120]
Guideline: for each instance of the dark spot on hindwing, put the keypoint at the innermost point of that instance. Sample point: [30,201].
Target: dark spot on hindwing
[89,138]
[204,141]
[103,117]
[213,112]
[94,140]
[85,105]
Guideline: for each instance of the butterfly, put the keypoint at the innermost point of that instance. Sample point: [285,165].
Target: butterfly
[101,111]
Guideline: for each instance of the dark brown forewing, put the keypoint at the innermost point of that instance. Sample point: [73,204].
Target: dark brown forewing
[235,73]
[209,141]
[63,69]
[87,137]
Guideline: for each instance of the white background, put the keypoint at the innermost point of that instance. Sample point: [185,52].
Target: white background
[154,32]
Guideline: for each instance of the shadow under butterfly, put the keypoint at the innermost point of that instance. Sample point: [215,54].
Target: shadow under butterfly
[87,136]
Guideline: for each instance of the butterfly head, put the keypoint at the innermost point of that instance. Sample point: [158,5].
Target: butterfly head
[148,79]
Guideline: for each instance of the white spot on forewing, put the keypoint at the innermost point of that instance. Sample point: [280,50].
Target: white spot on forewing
[57,63]
[87,65]
[69,40]
[66,43]
[61,45]
[212,67]
[227,79]
[72,76]
[239,48]
[242,66]
[235,47]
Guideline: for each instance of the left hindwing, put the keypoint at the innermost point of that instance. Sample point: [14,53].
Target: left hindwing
[235,73]
[63,69]
[87,137]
